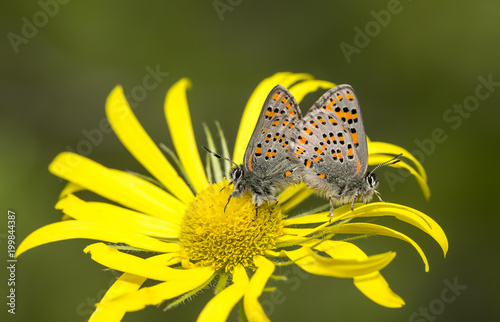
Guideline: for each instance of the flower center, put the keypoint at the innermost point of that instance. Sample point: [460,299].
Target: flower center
[212,237]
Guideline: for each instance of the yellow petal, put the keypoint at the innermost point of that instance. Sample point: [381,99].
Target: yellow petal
[181,130]
[302,232]
[112,215]
[310,219]
[137,141]
[375,287]
[72,229]
[372,229]
[313,263]
[372,285]
[403,213]
[156,294]
[70,188]
[391,149]
[254,106]
[219,307]
[124,188]
[296,199]
[376,159]
[290,192]
[253,309]
[114,259]
[127,283]
[300,90]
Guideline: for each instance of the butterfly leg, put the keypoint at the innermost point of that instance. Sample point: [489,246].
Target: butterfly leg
[272,208]
[354,200]
[228,199]
[331,197]
[378,195]
[256,212]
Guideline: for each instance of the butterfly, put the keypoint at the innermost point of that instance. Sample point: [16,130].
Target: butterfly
[267,167]
[330,144]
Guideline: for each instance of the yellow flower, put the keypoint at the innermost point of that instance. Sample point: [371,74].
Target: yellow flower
[181,218]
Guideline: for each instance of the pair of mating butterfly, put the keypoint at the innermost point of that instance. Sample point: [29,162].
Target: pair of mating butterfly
[327,150]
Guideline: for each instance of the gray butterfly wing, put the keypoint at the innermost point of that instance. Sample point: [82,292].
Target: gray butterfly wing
[331,139]
[266,154]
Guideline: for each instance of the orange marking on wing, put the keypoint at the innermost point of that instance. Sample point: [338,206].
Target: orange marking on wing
[268,154]
[308,131]
[321,120]
[276,96]
[302,139]
[340,114]
[268,113]
[291,125]
[355,116]
[358,166]
[321,175]
[348,115]
[264,130]
[308,163]
[276,136]
[326,139]
[275,123]
[273,154]
[349,152]
[343,128]
[332,120]
[285,122]
[292,113]
[334,155]
[350,96]
[288,173]
[314,124]
[317,158]
[284,100]
[250,163]
[329,108]
[323,146]
[340,97]
[289,106]
[339,154]
[354,138]
[285,144]
[258,151]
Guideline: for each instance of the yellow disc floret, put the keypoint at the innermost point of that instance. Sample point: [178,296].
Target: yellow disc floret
[222,240]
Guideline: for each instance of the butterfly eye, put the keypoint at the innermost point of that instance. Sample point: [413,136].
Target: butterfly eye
[372,180]
[237,174]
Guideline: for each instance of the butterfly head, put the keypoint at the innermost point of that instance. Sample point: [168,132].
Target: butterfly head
[371,180]
[238,179]
[370,183]
[367,188]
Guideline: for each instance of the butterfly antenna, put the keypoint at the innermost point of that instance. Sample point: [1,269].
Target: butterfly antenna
[219,156]
[388,162]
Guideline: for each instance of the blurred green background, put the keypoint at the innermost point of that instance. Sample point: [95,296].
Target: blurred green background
[418,67]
